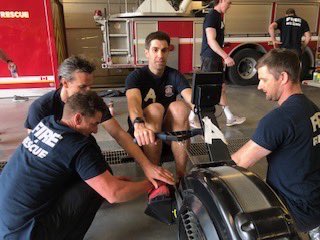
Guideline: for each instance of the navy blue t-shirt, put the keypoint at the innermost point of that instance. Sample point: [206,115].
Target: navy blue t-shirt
[292,133]
[40,170]
[50,104]
[292,29]
[153,89]
[212,20]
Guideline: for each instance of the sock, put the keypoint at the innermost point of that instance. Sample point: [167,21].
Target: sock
[192,116]
[227,112]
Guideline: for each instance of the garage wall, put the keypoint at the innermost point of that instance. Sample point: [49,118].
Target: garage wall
[84,36]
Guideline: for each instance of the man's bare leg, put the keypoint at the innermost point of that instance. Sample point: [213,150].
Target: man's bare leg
[176,119]
[223,98]
[153,115]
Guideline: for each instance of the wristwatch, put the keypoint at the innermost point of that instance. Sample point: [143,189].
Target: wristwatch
[138,120]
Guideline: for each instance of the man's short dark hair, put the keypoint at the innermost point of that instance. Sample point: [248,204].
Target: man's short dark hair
[158,36]
[87,104]
[74,64]
[291,12]
[282,60]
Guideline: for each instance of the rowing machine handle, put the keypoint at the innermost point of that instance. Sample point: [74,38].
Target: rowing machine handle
[177,136]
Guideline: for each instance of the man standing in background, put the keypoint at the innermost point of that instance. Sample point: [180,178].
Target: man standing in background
[292,29]
[213,55]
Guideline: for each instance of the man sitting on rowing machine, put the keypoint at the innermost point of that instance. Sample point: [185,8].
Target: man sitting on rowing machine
[151,93]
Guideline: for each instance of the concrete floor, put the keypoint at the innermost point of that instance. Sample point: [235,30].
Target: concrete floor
[127,220]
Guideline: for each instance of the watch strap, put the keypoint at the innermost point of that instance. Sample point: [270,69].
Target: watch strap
[138,120]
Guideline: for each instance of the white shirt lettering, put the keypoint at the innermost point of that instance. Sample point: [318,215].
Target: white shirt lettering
[315,120]
[44,134]
[151,95]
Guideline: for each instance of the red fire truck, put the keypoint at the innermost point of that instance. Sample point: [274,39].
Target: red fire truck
[246,40]
[28,38]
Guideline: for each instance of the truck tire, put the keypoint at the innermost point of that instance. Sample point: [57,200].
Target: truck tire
[243,72]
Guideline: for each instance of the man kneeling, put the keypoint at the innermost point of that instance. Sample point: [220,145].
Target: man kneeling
[57,178]
[286,137]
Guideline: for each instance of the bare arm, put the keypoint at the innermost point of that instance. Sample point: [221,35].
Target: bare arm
[4,57]
[214,45]
[272,27]
[134,103]
[115,190]
[249,154]
[307,38]
[143,135]
[124,139]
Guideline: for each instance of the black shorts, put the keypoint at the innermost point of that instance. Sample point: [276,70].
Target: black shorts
[211,65]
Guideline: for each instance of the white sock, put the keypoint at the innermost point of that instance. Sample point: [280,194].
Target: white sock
[192,116]
[227,112]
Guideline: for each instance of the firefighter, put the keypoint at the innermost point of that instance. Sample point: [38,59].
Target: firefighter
[288,137]
[57,178]
[75,75]
[292,29]
[213,55]
[151,93]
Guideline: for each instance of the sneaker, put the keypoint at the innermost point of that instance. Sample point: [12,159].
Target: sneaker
[236,120]
[17,98]
[314,234]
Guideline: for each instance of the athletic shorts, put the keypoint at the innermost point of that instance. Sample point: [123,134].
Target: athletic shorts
[211,65]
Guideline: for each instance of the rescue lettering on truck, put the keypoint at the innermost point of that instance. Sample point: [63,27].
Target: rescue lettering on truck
[28,40]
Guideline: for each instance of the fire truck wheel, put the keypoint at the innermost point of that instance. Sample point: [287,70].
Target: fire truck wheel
[244,72]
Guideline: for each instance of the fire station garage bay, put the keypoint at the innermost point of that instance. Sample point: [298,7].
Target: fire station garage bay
[159,119]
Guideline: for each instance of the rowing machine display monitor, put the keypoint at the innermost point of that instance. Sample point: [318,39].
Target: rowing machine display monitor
[206,93]
[206,89]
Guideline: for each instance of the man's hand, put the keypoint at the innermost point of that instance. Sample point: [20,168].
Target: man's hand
[143,135]
[229,61]
[11,65]
[276,43]
[154,173]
